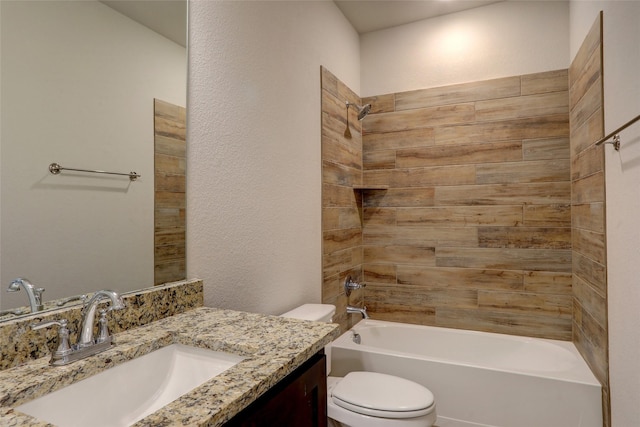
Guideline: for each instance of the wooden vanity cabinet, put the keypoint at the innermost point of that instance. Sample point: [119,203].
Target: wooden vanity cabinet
[299,400]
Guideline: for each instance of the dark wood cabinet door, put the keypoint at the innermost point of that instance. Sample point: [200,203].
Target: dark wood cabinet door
[299,400]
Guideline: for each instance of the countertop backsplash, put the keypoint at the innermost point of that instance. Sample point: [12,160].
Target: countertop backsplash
[20,344]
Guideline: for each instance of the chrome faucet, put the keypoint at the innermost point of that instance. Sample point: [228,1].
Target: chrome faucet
[85,336]
[355,310]
[352,285]
[34,294]
[86,345]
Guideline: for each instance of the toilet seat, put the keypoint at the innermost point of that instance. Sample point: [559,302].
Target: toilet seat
[381,395]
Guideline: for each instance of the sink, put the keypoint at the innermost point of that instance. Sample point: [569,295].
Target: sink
[124,394]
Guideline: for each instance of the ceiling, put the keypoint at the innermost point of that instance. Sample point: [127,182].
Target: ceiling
[368,15]
[169,17]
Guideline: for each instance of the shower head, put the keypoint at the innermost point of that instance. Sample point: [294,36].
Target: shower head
[362,110]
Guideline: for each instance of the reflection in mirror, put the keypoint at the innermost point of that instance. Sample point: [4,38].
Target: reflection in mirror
[78,83]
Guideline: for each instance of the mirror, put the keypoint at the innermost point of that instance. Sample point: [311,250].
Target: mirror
[78,83]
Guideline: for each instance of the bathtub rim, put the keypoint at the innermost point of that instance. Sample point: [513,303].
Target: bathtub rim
[586,377]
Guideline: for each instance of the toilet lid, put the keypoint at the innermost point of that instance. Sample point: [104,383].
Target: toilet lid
[381,395]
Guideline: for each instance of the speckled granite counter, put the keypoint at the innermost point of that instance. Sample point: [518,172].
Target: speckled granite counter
[273,347]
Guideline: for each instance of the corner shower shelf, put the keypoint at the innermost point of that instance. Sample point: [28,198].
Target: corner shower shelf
[370,187]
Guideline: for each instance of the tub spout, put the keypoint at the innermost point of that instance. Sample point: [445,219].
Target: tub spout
[354,310]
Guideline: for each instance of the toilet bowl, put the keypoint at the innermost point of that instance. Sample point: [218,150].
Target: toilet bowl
[370,399]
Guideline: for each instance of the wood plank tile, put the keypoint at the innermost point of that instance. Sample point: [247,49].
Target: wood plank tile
[381,103]
[552,126]
[433,176]
[544,104]
[548,304]
[524,237]
[586,135]
[505,259]
[338,174]
[589,75]
[548,282]
[591,301]
[399,197]
[545,149]
[547,215]
[588,190]
[340,217]
[436,237]
[588,105]
[420,137]
[460,216]
[339,262]
[338,196]
[402,254]
[337,240]
[328,81]
[170,146]
[459,277]
[378,216]
[421,118]
[379,273]
[487,152]
[589,244]
[591,271]
[504,194]
[548,81]
[532,171]
[587,162]
[589,216]
[459,93]
[379,159]
[492,320]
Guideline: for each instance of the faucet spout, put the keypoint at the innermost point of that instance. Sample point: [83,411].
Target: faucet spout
[85,338]
[34,294]
[354,310]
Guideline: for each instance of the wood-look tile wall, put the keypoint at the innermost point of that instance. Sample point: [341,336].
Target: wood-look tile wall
[341,204]
[474,231]
[170,192]
[590,332]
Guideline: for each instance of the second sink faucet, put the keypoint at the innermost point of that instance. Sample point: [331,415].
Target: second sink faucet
[85,336]
[34,294]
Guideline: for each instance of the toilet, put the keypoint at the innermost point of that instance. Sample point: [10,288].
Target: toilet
[370,399]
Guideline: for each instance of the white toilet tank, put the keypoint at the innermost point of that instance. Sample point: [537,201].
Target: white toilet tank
[316,313]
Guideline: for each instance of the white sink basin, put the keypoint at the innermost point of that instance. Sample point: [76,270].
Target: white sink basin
[126,393]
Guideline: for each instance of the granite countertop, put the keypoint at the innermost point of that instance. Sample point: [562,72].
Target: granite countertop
[272,346]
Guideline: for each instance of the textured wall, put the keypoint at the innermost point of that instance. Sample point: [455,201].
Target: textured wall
[253,190]
[588,208]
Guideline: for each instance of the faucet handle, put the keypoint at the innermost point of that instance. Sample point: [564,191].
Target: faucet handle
[103,329]
[63,336]
[351,285]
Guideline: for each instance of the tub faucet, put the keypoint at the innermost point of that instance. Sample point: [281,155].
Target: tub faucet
[354,310]
[34,294]
[85,337]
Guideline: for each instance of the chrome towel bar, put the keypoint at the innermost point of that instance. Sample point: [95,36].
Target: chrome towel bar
[614,134]
[55,169]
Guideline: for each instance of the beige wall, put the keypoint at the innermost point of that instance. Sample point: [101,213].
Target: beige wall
[499,40]
[253,189]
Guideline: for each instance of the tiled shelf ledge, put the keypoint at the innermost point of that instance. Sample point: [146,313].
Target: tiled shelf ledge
[370,187]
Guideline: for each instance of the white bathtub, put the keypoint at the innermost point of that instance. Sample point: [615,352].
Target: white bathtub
[479,378]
